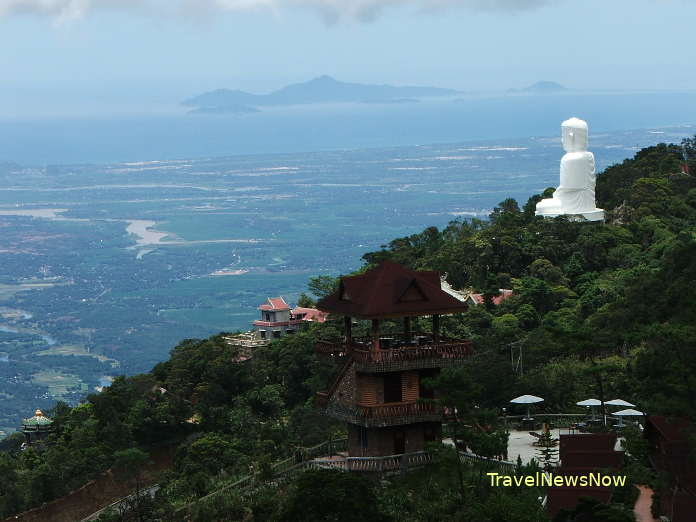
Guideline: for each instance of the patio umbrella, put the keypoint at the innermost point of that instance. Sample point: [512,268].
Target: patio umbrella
[590,403]
[619,402]
[627,413]
[527,399]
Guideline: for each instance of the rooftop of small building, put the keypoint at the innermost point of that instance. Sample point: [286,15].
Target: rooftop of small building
[275,304]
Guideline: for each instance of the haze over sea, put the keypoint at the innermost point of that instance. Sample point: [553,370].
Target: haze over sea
[123,235]
[156,132]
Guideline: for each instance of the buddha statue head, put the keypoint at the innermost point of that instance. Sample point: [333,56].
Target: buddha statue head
[574,133]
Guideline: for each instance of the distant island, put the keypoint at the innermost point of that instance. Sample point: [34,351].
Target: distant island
[323,89]
[224,109]
[544,87]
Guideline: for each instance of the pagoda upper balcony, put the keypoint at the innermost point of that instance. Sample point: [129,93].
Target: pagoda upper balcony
[381,415]
[399,352]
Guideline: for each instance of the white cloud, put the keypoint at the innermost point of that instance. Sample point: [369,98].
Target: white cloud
[64,10]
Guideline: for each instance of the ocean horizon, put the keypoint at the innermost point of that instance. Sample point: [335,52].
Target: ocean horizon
[169,133]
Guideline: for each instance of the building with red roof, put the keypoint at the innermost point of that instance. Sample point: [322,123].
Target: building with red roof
[278,319]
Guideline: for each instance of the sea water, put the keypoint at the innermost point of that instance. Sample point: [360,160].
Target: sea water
[129,137]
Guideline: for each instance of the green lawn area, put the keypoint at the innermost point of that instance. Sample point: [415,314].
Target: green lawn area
[76,349]
[58,383]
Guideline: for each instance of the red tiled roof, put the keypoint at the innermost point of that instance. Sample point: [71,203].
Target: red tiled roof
[310,314]
[587,442]
[580,455]
[275,303]
[390,290]
[671,448]
[672,429]
[504,294]
[593,460]
[567,497]
[589,451]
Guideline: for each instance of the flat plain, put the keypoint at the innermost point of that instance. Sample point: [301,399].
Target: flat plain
[104,268]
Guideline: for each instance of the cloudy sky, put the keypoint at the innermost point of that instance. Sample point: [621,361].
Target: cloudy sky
[112,51]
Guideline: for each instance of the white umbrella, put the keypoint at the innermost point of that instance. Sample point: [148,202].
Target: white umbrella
[527,399]
[590,403]
[627,413]
[619,402]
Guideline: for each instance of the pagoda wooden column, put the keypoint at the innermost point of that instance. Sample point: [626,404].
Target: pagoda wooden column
[348,330]
[375,334]
[436,328]
[407,329]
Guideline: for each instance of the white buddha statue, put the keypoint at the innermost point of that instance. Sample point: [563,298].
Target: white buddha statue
[576,193]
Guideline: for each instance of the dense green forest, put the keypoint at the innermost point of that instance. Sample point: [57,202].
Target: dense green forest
[598,310]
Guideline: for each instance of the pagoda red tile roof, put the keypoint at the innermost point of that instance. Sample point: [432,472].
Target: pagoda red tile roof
[275,304]
[391,290]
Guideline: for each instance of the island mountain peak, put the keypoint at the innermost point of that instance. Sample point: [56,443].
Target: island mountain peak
[322,89]
[542,87]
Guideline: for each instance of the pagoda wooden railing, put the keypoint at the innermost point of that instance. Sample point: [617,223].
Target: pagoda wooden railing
[387,341]
[387,414]
[412,357]
[397,409]
[397,354]
[333,349]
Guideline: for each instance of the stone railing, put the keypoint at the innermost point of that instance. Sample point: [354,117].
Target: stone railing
[501,465]
[564,420]
[245,341]
[402,462]
[390,463]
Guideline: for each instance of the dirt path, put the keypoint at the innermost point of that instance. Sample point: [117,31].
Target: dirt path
[643,504]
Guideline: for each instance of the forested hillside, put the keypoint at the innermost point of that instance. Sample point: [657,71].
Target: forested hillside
[606,310]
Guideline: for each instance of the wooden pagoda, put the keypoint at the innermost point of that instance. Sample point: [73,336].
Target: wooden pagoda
[378,390]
